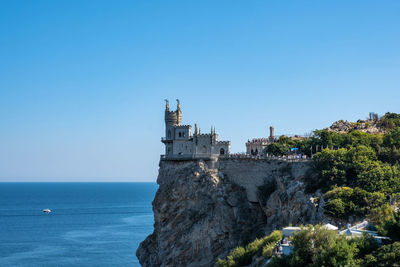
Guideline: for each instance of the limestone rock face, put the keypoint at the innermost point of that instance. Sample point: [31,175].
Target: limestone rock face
[290,205]
[202,210]
[198,217]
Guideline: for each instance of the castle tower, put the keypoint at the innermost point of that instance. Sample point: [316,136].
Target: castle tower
[271,133]
[172,119]
[178,112]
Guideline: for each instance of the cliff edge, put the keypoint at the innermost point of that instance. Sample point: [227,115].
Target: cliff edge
[204,209]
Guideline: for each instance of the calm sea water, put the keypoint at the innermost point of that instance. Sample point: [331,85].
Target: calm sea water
[91,224]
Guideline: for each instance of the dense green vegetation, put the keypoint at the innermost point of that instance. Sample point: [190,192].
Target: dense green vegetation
[359,175]
[354,166]
[387,222]
[317,246]
[281,147]
[358,172]
[242,256]
[345,201]
[391,120]
[386,145]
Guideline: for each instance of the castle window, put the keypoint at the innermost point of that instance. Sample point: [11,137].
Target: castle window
[204,149]
[169,134]
[222,151]
[180,134]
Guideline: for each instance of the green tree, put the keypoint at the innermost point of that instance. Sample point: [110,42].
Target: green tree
[317,246]
[388,255]
[366,244]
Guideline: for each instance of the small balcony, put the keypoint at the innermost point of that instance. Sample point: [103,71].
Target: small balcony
[164,140]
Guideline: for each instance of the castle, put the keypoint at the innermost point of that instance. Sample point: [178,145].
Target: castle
[181,144]
[256,146]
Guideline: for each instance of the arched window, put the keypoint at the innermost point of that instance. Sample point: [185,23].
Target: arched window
[169,134]
[180,134]
[222,151]
[256,152]
[204,149]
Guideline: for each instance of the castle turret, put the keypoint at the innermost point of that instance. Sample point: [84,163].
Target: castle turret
[178,112]
[166,105]
[271,133]
[172,119]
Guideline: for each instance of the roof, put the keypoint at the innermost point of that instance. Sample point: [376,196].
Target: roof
[293,228]
[330,226]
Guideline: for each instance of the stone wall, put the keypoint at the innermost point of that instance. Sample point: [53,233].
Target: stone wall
[183,147]
[251,173]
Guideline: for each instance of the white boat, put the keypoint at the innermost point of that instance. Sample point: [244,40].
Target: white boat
[46,210]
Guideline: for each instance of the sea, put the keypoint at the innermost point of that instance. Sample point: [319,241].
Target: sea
[90,224]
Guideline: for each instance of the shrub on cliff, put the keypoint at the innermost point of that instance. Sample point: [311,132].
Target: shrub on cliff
[317,246]
[337,208]
[242,256]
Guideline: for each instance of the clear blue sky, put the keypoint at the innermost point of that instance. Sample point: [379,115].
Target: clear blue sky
[82,83]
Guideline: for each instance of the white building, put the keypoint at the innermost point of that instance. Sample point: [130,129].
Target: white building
[180,143]
[290,230]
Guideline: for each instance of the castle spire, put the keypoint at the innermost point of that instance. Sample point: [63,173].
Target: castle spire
[195,129]
[178,105]
[166,105]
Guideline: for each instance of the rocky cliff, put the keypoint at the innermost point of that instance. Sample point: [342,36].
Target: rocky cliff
[203,209]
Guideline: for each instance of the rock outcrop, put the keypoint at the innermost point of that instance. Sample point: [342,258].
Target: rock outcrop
[202,210]
[290,205]
[368,126]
